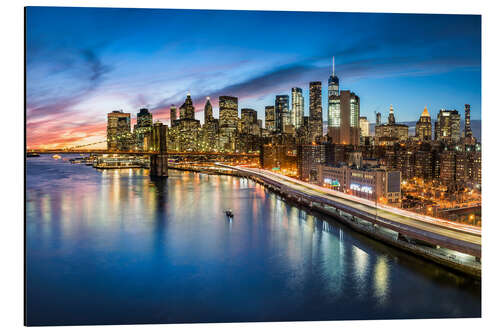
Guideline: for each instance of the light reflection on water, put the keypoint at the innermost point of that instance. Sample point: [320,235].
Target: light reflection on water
[114,246]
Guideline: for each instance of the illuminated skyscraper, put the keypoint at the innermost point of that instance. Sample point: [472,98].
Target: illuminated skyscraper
[143,127]
[423,129]
[379,119]
[297,107]
[118,131]
[345,127]
[282,109]
[270,117]
[447,126]
[228,111]
[392,119]
[333,82]
[469,139]
[364,126]
[315,110]
[208,111]
[187,109]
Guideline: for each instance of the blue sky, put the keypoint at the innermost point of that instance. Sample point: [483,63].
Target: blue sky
[85,62]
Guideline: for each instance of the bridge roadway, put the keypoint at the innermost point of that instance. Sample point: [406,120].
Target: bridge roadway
[447,234]
[134,152]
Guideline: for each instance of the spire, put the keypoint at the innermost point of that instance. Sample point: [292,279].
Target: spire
[425,113]
[333,66]
[391,109]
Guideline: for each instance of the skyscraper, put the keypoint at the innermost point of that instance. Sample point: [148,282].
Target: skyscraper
[392,119]
[315,110]
[423,129]
[228,111]
[187,109]
[333,82]
[379,119]
[143,127]
[364,126]
[118,131]
[173,114]
[333,105]
[345,126]
[248,120]
[282,109]
[270,117]
[208,111]
[447,126]
[469,139]
[297,107]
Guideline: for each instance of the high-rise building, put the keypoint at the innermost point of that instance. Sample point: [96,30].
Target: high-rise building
[315,110]
[270,117]
[333,82]
[392,119]
[248,120]
[345,129]
[297,107]
[379,119]
[282,108]
[143,127]
[423,129]
[309,158]
[447,126]
[173,114]
[208,112]
[364,126]
[118,131]
[390,133]
[469,139]
[228,111]
[187,109]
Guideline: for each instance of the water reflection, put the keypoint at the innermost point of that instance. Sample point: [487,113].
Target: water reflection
[116,246]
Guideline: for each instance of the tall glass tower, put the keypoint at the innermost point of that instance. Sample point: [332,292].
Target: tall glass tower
[297,107]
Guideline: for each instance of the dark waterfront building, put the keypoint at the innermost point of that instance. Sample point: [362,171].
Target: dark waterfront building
[270,118]
[447,126]
[143,127]
[282,109]
[277,156]
[309,158]
[423,128]
[118,131]
[315,110]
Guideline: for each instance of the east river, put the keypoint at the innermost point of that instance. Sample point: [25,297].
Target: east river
[115,247]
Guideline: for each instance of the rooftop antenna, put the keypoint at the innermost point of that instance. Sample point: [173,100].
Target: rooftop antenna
[333,66]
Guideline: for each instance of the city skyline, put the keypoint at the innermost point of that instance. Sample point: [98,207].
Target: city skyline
[73,82]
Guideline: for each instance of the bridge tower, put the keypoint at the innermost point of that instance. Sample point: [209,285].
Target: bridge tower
[159,162]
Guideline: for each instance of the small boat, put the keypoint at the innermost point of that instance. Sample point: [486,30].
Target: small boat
[229,213]
[32,154]
[56,157]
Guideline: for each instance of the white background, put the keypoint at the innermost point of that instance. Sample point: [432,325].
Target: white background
[12,178]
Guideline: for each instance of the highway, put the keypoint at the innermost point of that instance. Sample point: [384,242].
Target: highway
[443,228]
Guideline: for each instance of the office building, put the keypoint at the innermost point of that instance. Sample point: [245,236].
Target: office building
[282,109]
[228,112]
[186,111]
[118,131]
[390,133]
[423,128]
[366,182]
[143,127]
[208,111]
[297,107]
[364,126]
[447,126]
[173,114]
[315,110]
[345,127]
[270,118]
[309,158]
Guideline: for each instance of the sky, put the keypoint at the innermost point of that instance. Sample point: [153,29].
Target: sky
[82,63]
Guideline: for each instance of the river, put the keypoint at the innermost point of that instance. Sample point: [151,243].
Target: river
[115,247]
